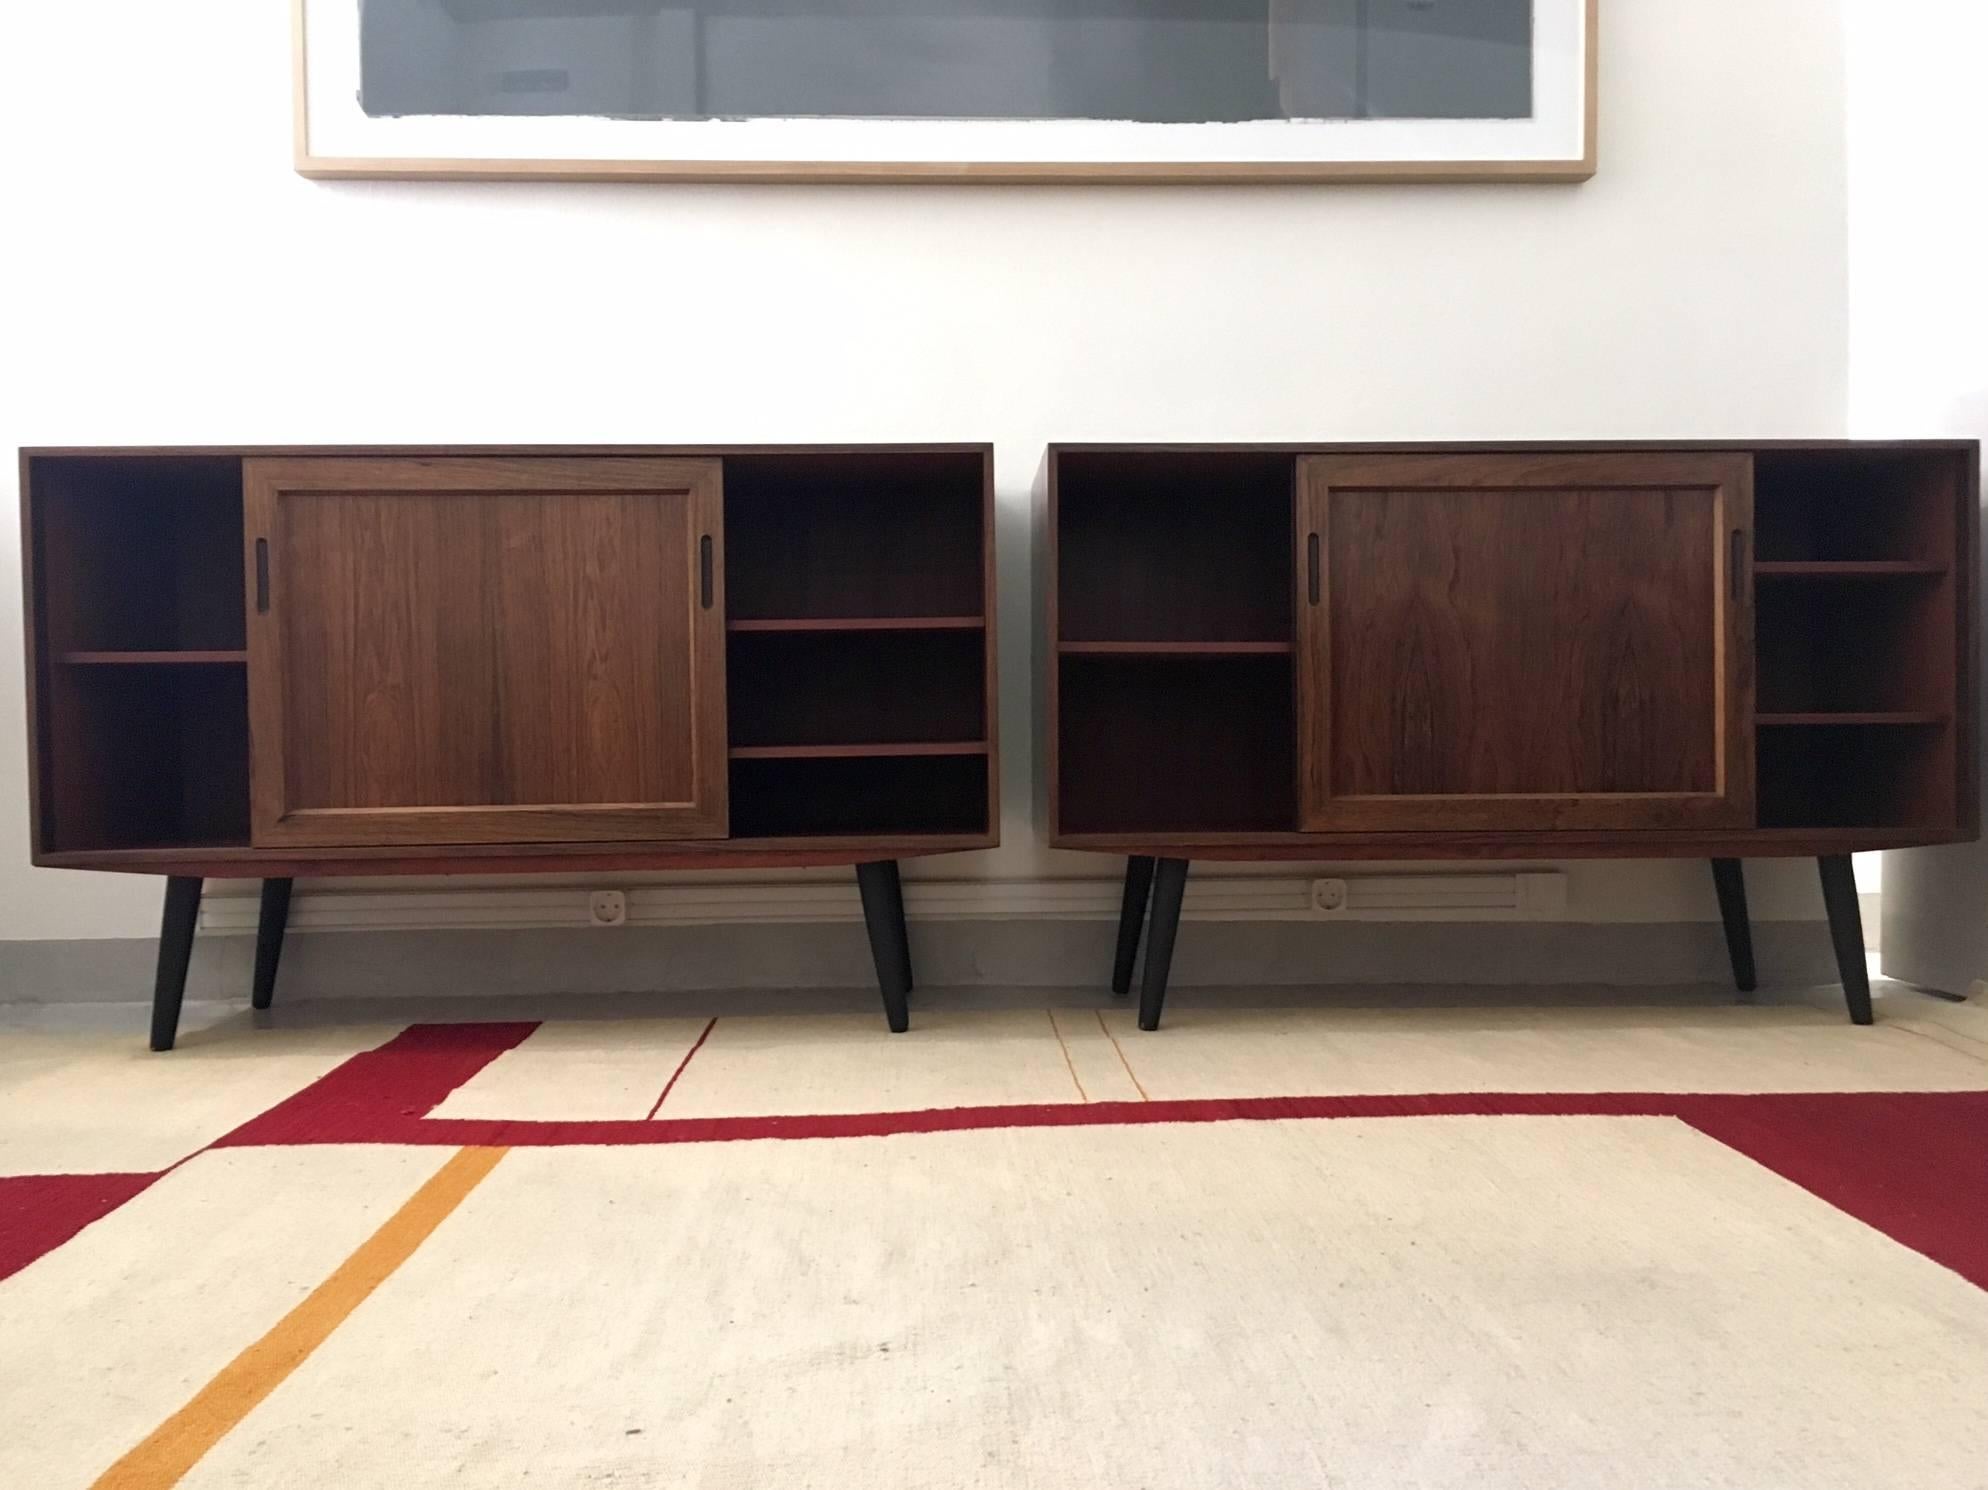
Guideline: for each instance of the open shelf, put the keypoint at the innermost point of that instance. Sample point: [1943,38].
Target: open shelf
[1839,775]
[1898,717]
[857,688]
[1173,547]
[1857,506]
[1848,569]
[140,554]
[854,752]
[830,796]
[142,695]
[856,646]
[857,536]
[1856,649]
[1175,649]
[1858,637]
[146,758]
[858,623]
[156,659]
[1176,744]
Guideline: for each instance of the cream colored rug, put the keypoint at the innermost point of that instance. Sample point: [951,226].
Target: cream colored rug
[1533,1248]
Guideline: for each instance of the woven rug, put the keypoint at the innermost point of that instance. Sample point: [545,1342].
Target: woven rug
[1648,1247]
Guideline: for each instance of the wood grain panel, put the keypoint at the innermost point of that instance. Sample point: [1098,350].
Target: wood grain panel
[1525,643]
[467,651]
[1532,642]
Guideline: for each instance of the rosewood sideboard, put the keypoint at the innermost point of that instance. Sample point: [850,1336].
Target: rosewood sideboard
[1350,652]
[274,663]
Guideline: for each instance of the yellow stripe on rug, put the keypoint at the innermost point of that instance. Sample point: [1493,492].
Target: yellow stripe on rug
[177,1444]
[1070,1065]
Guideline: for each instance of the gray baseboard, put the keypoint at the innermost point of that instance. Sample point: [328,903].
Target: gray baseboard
[946,954]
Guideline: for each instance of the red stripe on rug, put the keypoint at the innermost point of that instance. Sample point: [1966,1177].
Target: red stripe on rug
[1914,1165]
[39,1212]
[670,1085]
[384,1125]
[386,1089]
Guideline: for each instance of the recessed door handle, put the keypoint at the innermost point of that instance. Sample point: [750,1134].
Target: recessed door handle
[1311,568]
[1736,565]
[704,571]
[262,576]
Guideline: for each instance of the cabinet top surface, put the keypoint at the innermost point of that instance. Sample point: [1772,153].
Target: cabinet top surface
[31,452]
[1956,446]
[985,448]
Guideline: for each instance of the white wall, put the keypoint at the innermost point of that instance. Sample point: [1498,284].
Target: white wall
[1919,349]
[174,282]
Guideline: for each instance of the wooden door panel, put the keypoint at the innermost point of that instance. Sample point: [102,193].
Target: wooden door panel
[1524,642]
[486,651]
[1592,612]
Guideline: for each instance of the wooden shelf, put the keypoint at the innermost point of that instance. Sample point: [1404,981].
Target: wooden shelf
[859,592]
[1897,716]
[856,752]
[155,659]
[860,623]
[1845,569]
[1174,649]
[1177,743]
[804,793]
[1168,545]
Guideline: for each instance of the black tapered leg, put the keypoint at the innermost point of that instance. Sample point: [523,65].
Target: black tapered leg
[1169,884]
[903,929]
[1846,931]
[269,939]
[1131,919]
[1730,880]
[175,951]
[883,914]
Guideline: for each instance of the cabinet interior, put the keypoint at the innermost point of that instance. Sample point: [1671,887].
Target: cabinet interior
[141,670]
[1859,627]
[146,757]
[839,796]
[1174,641]
[1174,548]
[850,536]
[1848,504]
[835,688]
[856,616]
[1177,744]
[1856,776]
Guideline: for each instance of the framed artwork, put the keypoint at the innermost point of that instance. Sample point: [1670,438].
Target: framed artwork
[948,90]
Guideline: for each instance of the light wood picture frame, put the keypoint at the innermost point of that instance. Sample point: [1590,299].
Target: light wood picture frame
[335,136]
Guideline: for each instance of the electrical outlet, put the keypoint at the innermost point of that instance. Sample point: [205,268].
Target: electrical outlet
[608,907]
[1329,895]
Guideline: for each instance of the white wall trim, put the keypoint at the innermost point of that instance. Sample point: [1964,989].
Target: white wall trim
[1510,896]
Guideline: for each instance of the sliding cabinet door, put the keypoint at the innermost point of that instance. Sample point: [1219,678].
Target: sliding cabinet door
[1525,642]
[471,650]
